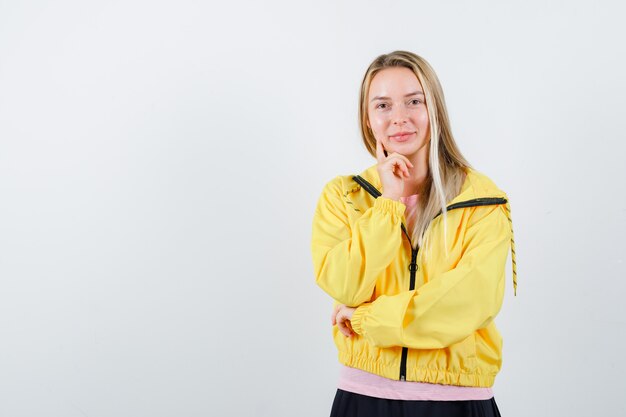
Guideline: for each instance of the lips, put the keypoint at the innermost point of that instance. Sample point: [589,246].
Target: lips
[402,136]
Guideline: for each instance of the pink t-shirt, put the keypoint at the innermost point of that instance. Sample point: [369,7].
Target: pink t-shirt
[365,383]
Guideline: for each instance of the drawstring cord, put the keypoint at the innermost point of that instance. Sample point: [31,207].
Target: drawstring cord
[514,264]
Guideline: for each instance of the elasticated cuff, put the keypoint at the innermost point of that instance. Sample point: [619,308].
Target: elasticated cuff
[357,318]
[389,205]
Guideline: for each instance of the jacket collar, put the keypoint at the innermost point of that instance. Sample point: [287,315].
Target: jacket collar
[477,190]
[475,186]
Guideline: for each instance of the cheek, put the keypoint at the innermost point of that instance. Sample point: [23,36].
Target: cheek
[378,126]
[377,122]
[421,118]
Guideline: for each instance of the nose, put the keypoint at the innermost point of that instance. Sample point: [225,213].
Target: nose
[399,116]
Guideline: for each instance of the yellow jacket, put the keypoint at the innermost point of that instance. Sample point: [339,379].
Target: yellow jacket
[418,319]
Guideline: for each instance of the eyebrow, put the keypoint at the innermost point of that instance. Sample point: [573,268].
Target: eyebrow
[406,95]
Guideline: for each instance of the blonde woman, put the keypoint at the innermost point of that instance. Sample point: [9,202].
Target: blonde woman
[413,252]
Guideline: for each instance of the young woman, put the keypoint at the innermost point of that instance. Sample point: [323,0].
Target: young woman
[413,251]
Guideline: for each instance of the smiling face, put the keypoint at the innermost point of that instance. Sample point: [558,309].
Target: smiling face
[396,105]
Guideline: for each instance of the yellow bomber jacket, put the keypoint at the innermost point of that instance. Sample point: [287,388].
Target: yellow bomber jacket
[428,319]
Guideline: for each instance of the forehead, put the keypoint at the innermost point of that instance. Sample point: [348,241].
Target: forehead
[396,81]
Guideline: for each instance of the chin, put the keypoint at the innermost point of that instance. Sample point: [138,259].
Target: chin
[404,149]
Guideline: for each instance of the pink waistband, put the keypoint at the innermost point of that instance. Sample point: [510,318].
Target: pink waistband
[365,383]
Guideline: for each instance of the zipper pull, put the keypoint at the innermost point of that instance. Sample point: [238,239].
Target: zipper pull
[413,264]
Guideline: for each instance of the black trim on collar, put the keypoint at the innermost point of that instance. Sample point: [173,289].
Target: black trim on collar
[476,202]
[483,201]
[367,186]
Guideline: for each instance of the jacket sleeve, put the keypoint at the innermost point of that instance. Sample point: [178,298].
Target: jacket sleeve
[450,307]
[347,259]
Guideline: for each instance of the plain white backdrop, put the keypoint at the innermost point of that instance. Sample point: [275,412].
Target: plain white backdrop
[160,163]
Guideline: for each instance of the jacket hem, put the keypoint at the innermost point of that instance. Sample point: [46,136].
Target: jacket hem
[429,375]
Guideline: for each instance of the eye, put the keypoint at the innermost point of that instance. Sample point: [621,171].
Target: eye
[416,101]
[381,104]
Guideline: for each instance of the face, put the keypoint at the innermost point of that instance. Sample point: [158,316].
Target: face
[396,104]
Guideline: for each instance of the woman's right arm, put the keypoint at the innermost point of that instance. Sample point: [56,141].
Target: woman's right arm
[348,259]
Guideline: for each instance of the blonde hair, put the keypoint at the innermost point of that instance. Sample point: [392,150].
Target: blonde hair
[446,164]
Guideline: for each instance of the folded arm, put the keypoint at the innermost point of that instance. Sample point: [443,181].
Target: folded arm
[449,307]
[348,259]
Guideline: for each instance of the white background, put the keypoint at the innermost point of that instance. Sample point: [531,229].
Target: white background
[160,162]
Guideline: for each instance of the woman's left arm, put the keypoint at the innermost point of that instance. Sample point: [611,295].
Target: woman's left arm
[450,307]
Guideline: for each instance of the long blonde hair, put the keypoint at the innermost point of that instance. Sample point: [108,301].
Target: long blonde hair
[445,162]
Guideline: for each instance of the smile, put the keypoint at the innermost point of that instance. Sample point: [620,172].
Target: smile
[401,138]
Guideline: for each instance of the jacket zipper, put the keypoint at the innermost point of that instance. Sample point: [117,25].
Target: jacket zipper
[483,201]
[413,270]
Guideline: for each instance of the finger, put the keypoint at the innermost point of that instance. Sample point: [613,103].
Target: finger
[349,326]
[343,329]
[400,166]
[341,324]
[400,169]
[395,162]
[402,157]
[334,315]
